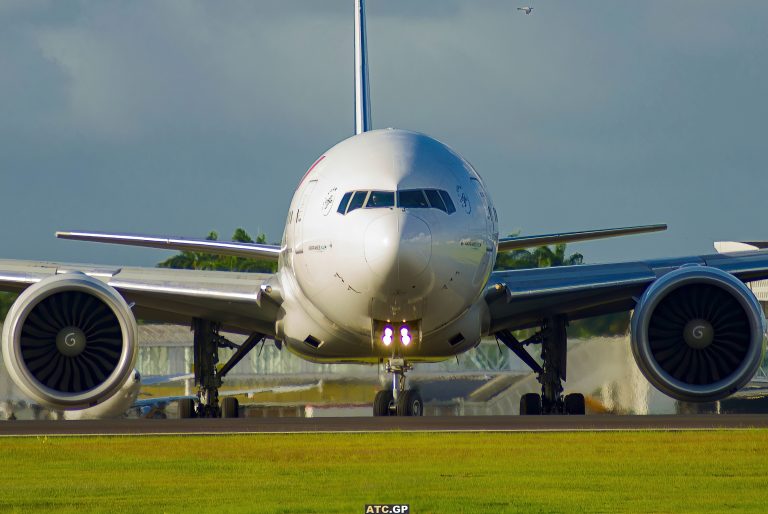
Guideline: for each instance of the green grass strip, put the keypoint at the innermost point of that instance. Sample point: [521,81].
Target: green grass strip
[708,471]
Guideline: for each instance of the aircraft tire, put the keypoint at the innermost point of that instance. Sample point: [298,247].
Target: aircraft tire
[230,407]
[186,408]
[574,404]
[410,404]
[382,402]
[530,404]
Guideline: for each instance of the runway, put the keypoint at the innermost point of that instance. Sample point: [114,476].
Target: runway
[371,424]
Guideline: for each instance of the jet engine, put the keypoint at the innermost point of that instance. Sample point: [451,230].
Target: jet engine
[698,334]
[70,341]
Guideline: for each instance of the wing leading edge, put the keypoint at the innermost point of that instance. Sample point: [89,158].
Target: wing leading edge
[515,243]
[231,248]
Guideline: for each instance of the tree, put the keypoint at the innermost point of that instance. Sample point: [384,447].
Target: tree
[541,257]
[6,300]
[207,261]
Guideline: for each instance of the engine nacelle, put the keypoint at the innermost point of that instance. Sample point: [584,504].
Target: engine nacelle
[70,341]
[698,334]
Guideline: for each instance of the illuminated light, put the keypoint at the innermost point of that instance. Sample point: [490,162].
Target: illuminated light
[405,336]
[386,338]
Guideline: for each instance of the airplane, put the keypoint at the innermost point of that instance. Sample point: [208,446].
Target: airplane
[740,246]
[526,10]
[386,258]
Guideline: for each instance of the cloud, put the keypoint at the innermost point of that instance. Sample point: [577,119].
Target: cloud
[170,116]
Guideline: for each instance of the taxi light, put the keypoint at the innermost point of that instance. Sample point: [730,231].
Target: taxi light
[386,337]
[405,336]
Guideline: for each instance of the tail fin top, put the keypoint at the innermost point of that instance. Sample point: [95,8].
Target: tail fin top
[362,90]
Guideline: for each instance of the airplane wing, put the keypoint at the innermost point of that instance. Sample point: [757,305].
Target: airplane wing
[232,248]
[521,298]
[241,302]
[515,243]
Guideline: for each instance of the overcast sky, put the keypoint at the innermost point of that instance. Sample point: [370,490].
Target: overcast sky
[182,117]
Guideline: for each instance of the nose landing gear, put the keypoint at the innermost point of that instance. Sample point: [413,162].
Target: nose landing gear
[399,401]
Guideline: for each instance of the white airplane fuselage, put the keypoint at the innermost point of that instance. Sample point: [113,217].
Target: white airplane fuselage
[406,258]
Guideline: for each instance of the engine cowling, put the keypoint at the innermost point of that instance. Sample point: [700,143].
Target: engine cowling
[698,334]
[70,341]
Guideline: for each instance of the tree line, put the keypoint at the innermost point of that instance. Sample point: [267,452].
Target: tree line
[207,261]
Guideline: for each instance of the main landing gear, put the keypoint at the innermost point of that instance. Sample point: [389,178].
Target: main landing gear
[551,375]
[398,401]
[208,378]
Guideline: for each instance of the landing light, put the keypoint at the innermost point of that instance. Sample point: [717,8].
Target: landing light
[405,336]
[386,338]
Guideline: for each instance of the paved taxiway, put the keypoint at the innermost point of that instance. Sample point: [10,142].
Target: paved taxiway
[351,425]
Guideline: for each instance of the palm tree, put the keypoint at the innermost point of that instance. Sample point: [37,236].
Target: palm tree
[550,256]
[541,257]
[192,260]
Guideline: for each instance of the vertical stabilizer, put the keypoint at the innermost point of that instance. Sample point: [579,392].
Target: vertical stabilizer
[362,91]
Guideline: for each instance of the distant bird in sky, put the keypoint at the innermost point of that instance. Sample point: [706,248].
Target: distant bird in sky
[526,9]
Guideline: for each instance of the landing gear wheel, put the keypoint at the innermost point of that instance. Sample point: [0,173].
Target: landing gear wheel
[410,404]
[574,404]
[230,407]
[186,408]
[530,404]
[382,403]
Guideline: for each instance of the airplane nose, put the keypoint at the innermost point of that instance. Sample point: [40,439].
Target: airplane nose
[398,246]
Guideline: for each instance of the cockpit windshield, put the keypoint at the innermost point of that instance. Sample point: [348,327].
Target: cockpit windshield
[406,199]
[358,200]
[380,199]
[412,199]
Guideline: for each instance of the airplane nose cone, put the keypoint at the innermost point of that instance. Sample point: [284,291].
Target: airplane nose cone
[415,247]
[398,246]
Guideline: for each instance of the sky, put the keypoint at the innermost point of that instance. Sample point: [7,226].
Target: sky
[181,117]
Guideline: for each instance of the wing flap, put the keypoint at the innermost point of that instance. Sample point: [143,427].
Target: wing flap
[231,248]
[515,243]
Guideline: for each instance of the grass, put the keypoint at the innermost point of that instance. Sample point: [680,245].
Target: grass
[710,471]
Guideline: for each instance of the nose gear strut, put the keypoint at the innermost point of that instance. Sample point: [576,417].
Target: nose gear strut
[399,401]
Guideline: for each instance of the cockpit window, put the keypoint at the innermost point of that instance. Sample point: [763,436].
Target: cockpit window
[358,200]
[448,202]
[435,200]
[344,201]
[412,198]
[380,199]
